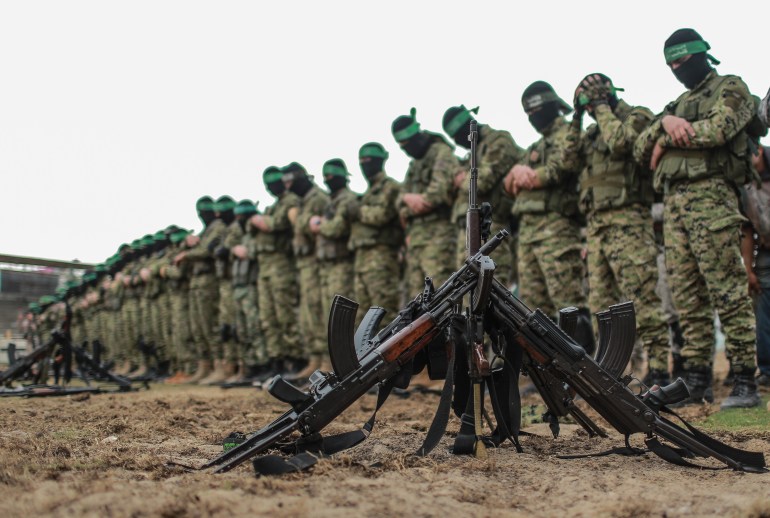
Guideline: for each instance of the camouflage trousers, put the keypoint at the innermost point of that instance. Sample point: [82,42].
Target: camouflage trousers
[204,303]
[278,301]
[158,320]
[131,317]
[504,265]
[251,344]
[182,348]
[311,319]
[227,320]
[622,266]
[434,258]
[336,278]
[705,271]
[550,268]
[376,277]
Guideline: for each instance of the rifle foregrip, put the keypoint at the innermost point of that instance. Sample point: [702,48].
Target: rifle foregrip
[403,345]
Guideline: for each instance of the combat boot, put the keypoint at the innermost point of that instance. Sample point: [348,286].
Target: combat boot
[744,393]
[312,365]
[698,381]
[215,376]
[239,374]
[226,370]
[141,372]
[656,377]
[203,370]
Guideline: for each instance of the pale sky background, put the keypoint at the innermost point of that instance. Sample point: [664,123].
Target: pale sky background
[116,116]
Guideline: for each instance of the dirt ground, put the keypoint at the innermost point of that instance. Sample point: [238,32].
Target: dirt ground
[108,454]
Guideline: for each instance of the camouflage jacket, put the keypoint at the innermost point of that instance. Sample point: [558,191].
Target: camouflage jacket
[277,239]
[610,176]
[202,254]
[177,275]
[232,237]
[719,109]
[557,174]
[496,154]
[332,239]
[246,271]
[313,204]
[377,222]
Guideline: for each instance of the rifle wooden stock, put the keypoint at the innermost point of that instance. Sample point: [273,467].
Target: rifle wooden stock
[403,345]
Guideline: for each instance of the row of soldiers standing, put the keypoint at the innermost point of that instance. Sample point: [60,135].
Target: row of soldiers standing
[310,244]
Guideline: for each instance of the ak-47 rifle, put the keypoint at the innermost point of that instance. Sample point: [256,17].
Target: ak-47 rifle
[436,320]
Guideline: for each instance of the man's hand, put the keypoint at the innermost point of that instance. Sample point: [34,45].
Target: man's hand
[144,273]
[657,154]
[192,240]
[416,203]
[754,287]
[521,177]
[239,251]
[460,178]
[179,257]
[678,129]
[315,224]
[163,271]
[258,220]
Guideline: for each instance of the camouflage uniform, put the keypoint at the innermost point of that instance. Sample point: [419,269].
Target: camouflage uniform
[335,260]
[550,267]
[375,238]
[616,196]
[496,154]
[311,321]
[227,308]
[430,236]
[277,289]
[182,347]
[702,220]
[245,274]
[204,291]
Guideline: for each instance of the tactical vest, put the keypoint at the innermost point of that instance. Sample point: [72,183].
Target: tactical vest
[560,198]
[277,242]
[418,179]
[302,243]
[731,161]
[366,236]
[612,180]
[328,249]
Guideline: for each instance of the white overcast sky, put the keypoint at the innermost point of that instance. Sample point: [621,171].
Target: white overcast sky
[116,116]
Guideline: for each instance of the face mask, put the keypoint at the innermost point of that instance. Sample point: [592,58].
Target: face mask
[461,137]
[227,216]
[335,183]
[416,146]
[543,117]
[206,216]
[693,71]
[276,188]
[301,185]
[371,167]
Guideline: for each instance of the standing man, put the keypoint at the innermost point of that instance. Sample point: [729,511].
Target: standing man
[376,235]
[335,260]
[698,149]
[616,198]
[496,154]
[425,205]
[546,190]
[277,289]
[311,321]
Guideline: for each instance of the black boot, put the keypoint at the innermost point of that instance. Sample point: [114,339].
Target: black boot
[698,380]
[744,393]
[584,331]
[656,377]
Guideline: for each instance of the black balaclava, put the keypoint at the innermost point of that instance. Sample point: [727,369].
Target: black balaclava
[372,157]
[694,70]
[225,206]
[417,144]
[457,124]
[335,174]
[272,176]
[205,207]
[542,105]
[301,182]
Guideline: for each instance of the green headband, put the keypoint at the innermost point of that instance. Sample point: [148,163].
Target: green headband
[409,131]
[457,122]
[245,208]
[224,206]
[539,99]
[334,170]
[373,150]
[176,237]
[204,205]
[272,176]
[679,50]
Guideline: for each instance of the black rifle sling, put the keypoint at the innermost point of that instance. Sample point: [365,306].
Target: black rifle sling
[310,452]
[440,420]
[508,408]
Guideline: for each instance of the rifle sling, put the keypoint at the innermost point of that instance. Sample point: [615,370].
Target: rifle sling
[311,452]
[440,420]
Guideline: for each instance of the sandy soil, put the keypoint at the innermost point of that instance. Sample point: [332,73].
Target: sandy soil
[107,455]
